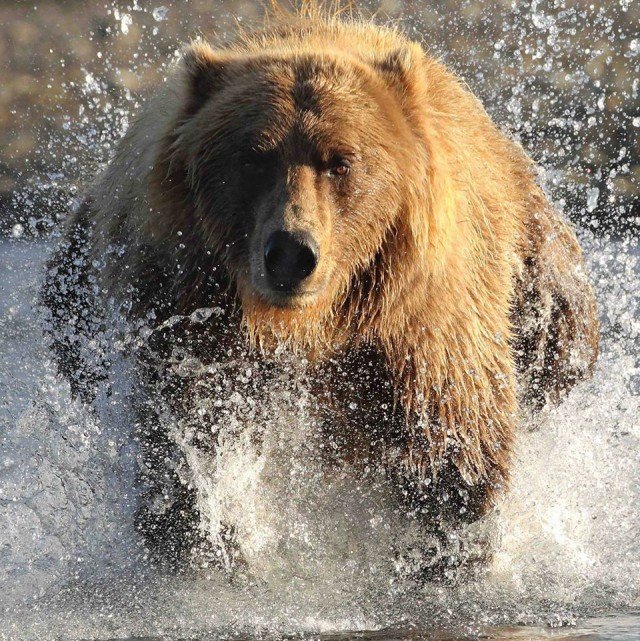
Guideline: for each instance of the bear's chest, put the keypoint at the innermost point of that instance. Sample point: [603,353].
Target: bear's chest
[210,381]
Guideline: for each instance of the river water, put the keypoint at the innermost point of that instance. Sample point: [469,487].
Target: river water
[567,561]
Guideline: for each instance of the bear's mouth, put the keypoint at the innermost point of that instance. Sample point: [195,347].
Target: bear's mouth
[287,298]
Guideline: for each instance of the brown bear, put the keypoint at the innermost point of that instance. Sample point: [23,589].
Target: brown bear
[334,192]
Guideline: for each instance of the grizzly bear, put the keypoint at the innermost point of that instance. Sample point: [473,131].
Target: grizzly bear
[334,193]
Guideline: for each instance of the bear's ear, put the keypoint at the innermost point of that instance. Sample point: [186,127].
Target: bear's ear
[396,66]
[204,68]
[403,70]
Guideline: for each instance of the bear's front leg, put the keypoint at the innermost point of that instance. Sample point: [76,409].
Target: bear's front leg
[371,426]
[184,365]
[169,515]
[456,542]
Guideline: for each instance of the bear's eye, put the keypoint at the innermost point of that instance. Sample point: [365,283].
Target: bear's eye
[340,167]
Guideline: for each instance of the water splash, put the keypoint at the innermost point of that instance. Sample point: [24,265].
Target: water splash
[320,550]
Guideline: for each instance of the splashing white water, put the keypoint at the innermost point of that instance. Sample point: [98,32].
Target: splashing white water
[319,549]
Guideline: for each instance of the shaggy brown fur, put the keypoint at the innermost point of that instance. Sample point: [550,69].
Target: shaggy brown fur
[443,274]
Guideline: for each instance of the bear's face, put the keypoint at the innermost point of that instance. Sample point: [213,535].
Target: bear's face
[296,167]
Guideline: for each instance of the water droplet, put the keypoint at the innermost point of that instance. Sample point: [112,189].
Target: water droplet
[160,13]
[592,198]
[125,22]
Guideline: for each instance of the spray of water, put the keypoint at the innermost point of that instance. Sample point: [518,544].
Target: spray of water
[319,546]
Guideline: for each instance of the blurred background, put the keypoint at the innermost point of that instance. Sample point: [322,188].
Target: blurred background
[562,76]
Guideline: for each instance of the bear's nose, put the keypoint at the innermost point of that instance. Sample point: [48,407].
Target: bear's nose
[289,258]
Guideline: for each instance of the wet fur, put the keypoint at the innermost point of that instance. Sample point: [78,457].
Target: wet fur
[472,284]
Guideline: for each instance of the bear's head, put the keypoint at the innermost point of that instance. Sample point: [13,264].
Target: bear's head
[298,167]
[347,184]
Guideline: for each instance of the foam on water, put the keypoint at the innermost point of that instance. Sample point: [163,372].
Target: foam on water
[319,548]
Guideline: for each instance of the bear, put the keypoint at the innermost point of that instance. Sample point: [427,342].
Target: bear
[334,192]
